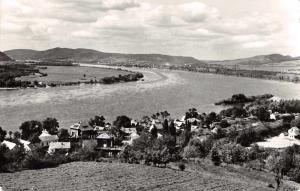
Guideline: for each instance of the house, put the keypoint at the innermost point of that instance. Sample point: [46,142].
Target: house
[293,132]
[130,139]
[133,122]
[178,124]
[129,130]
[9,145]
[104,140]
[193,120]
[25,144]
[46,138]
[82,130]
[272,116]
[62,146]
[215,130]
[12,145]
[99,129]
[105,144]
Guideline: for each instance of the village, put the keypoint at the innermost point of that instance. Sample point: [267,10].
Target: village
[254,134]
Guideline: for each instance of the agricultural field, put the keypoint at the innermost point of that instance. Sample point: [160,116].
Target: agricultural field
[121,176]
[72,74]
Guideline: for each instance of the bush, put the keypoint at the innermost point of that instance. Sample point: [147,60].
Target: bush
[247,136]
[181,166]
[84,155]
[294,174]
[34,161]
[215,156]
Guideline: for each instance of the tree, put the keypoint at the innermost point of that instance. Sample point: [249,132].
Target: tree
[10,134]
[165,114]
[246,137]
[211,117]
[97,121]
[51,125]
[166,126]
[261,113]
[215,156]
[63,135]
[2,134]
[296,122]
[192,113]
[143,143]
[17,135]
[154,132]
[31,130]
[172,129]
[122,121]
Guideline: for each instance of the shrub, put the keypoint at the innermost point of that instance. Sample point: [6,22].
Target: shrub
[246,137]
[294,174]
[34,161]
[181,166]
[215,156]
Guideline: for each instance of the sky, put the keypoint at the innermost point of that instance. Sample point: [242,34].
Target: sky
[206,29]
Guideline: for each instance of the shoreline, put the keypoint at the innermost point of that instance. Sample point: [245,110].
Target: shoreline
[132,76]
[207,71]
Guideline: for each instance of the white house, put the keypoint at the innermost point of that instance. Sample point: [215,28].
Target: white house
[272,116]
[215,130]
[53,146]
[293,132]
[131,138]
[26,144]
[46,138]
[133,122]
[9,145]
[128,130]
[178,124]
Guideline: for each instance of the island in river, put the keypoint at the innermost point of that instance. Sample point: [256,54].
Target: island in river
[20,75]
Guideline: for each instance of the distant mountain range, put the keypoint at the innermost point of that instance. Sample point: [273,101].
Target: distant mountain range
[256,60]
[4,57]
[89,55]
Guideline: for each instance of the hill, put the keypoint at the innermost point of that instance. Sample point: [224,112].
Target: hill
[256,60]
[21,54]
[4,57]
[121,176]
[89,55]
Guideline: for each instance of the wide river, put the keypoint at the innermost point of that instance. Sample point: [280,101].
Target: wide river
[174,91]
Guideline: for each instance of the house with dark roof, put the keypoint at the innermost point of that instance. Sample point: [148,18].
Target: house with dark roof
[82,130]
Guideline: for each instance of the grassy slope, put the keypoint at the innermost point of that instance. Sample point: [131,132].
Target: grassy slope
[120,176]
[4,57]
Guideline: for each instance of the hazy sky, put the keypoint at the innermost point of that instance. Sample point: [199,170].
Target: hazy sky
[206,29]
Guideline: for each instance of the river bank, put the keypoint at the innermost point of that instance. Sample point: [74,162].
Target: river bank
[54,76]
[223,70]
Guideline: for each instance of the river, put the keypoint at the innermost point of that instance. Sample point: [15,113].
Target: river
[174,91]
